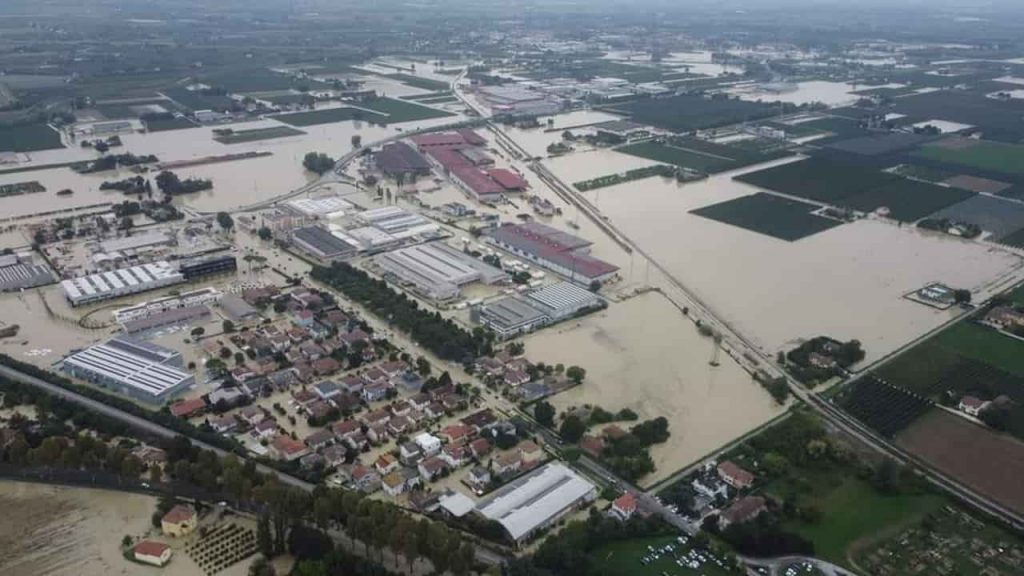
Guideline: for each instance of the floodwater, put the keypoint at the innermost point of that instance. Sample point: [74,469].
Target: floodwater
[58,531]
[643,354]
[537,140]
[828,93]
[235,183]
[846,282]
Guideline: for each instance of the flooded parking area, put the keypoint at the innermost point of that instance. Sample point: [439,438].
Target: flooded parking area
[643,354]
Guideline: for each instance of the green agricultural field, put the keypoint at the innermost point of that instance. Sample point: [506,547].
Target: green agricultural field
[419,82]
[427,96]
[195,100]
[854,511]
[164,124]
[984,345]
[398,111]
[981,154]
[816,178]
[328,116]
[254,80]
[907,200]
[687,112]
[439,100]
[28,138]
[676,156]
[240,136]
[624,559]
[703,156]
[765,213]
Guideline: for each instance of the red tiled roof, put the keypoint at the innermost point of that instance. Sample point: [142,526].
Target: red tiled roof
[178,514]
[477,181]
[187,407]
[626,503]
[150,548]
[733,471]
[507,179]
[554,246]
[288,445]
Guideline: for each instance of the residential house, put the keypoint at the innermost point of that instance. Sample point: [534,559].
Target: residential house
[326,366]
[743,510]
[354,337]
[478,479]
[420,401]
[352,384]
[357,442]
[346,429]
[334,456]
[376,392]
[453,402]
[530,453]
[327,389]
[427,443]
[431,468]
[456,456]
[411,381]
[286,448]
[304,397]
[480,448]
[179,521]
[434,410]
[508,463]
[624,506]
[386,464]
[516,378]
[365,478]
[424,502]
[972,406]
[376,376]
[303,318]
[188,408]
[283,379]
[457,433]
[311,461]
[394,484]
[734,476]
[393,368]
[311,351]
[319,409]
[379,416]
[491,367]
[378,433]
[252,415]
[319,439]
[710,486]
[613,432]
[401,408]
[481,420]
[410,454]
[346,402]
[223,424]
[153,553]
[399,425]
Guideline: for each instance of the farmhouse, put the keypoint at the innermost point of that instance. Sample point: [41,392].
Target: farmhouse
[179,521]
[735,476]
[150,552]
[972,406]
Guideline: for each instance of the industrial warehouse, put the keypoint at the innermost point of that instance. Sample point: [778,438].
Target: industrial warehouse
[120,282]
[553,249]
[436,270]
[138,369]
[537,500]
[322,244]
[17,273]
[460,156]
[509,316]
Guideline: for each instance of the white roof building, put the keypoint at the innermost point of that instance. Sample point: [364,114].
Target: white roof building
[428,443]
[457,504]
[133,367]
[323,207]
[436,269]
[120,282]
[537,500]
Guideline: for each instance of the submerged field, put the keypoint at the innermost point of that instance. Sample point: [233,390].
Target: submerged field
[771,215]
[643,354]
[994,156]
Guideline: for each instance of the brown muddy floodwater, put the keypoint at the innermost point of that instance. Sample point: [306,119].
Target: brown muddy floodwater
[846,282]
[645,355]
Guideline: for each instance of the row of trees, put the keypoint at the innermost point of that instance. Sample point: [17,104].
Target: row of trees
[169,183]
[431,330]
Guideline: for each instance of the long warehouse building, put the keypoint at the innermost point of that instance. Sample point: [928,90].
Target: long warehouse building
[553,249]
[437,270]
[131,367]
[120,282]
[537,500]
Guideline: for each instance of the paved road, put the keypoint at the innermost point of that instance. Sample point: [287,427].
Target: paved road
[775,565]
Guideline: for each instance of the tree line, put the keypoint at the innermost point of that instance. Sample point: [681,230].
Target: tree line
[429,329]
